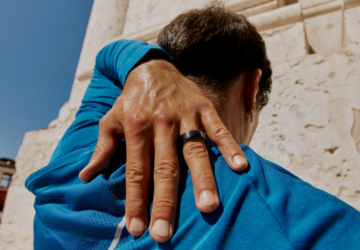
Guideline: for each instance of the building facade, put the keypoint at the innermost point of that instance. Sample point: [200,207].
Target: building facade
[7,170]
[311,125]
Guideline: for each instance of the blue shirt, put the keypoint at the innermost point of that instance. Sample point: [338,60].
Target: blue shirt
[265,207]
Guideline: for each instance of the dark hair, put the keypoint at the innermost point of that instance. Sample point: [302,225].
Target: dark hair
[213,46]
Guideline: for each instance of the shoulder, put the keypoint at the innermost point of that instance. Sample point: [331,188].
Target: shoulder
[305,215]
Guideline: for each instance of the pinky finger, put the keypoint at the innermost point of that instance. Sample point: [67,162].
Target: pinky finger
[218,133]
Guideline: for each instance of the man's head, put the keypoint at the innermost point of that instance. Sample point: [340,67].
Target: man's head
[222,52]
[213,47]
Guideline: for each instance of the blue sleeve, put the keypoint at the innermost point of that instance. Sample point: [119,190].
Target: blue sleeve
[60,194]
[113,64]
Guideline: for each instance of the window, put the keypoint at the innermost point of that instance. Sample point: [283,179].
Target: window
[5,181]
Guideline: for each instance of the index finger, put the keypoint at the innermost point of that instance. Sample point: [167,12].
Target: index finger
[110,134]
[218,133]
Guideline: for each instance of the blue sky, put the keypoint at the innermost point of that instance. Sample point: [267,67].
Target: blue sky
[40,45]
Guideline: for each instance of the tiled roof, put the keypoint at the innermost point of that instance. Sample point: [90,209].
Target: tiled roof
[8,163]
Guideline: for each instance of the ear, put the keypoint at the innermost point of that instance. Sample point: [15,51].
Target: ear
[252,86]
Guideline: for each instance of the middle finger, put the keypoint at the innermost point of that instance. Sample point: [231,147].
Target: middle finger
[166,182]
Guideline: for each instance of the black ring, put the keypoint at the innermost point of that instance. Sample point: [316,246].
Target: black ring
[193,134]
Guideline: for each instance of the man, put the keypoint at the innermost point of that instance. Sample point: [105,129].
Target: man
[262,207]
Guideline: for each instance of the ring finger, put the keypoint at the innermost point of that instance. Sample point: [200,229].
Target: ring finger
[197,159]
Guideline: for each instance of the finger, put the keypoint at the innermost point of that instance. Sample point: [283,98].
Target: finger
[110,134]
[218,133]
[166,182]
[198,161]
[138,173]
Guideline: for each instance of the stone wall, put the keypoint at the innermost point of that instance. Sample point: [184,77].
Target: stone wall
[311,125]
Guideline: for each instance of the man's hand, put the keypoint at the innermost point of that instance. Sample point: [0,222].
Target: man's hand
[157,105]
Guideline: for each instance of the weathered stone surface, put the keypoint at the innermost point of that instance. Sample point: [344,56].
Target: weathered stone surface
[260,8]
[324,33]
[322,9]
[276,18]
[77,93]
[13,241]
[285,42]
[145,14]
[239,5]
[106,22]
[16,225]
[311,3]
[352,34]
[355,131]
[307,124]
[351,3]
[35,152]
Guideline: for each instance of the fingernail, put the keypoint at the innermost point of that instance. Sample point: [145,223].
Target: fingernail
[136,225]
[161,228]
[238,160]
[207,198]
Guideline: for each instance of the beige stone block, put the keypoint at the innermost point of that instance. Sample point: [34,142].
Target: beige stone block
[144,14]
[12,241]
[311,3]
[53,123]
[64,112]
[151,32]
[29,137]
[147,14]
[16,219]
[285,42]
[35,153]
[260,9]
[239,5]
[45,135]
[307,127]
[32,157]
[324,33]
[276,18]
[352,31]
[322,9]
[351,3]
[77,93]
[107,21]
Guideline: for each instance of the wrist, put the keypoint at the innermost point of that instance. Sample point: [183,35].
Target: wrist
[154,65]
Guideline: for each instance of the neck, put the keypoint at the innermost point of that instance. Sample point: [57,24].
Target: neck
[235,117]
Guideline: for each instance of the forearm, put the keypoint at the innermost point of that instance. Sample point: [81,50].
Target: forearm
[113,64]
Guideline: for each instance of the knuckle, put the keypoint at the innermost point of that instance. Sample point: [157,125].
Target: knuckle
[184,110]
[164,203]
[134,174]
[98,148]
[166,170]
[196,149]
[134,205]
[205,177]
[164,117]
[205,104]
[138,120]
[96,152]
[111,124]
[221,133]
[104,120]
